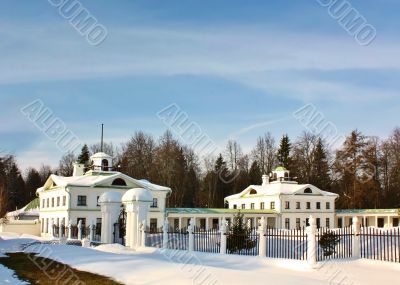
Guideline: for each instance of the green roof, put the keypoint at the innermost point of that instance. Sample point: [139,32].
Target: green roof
[280,168]
[368,211]
[217,211]
[34,204]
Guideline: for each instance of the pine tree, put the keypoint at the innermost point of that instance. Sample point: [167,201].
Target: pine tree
[239,235]
[284,152]
[320,167]
[83,158]
[255,174]
[32,183]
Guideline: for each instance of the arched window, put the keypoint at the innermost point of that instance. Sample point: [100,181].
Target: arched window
[252,192]
[104,165]
[286,174]
[119,182]
[307,191]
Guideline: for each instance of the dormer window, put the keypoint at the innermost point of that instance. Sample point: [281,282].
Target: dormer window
[119,182]
[253,192]
[308,191]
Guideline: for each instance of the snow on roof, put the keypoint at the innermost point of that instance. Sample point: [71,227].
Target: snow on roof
[31,209]
[137,194]
[110,197]
[280,188]
[96,178]
[100,155]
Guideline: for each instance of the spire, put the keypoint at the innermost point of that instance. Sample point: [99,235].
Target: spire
[101,143]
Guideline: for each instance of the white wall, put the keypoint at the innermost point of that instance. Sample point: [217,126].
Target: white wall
[21,227]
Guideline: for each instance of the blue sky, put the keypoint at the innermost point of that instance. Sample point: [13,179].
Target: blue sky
[237,68]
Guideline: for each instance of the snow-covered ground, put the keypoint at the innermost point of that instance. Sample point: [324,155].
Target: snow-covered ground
[151,266]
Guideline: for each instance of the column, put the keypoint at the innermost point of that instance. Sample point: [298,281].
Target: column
[222,227]
[110,203]
[262,228]
[356,238]
[311,244]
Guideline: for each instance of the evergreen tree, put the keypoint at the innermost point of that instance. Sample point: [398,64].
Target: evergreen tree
[32,183]
[320,167]
[239,236]
[284,152]
[255,174]
[84,156]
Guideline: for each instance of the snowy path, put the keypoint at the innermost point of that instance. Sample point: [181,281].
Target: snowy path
[149,266]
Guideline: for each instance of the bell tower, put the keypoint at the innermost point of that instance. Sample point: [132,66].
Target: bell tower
[101,161]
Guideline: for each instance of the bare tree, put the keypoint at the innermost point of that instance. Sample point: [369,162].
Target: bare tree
[264,153]
[66,165]
[233,154]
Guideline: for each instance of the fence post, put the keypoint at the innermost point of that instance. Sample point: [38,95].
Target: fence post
[356,238]
[165,233]
[143,234]
[191,236]
[223,236]
[80,230]
[262,249]
[69,230]
[311,231]
[91,235]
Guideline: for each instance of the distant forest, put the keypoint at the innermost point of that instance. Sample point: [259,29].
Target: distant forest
[364,171]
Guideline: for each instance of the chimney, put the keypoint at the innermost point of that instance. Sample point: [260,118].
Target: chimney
[78,169]
[265,180]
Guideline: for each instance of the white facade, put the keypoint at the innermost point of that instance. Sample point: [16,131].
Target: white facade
[293,202]
[65,200]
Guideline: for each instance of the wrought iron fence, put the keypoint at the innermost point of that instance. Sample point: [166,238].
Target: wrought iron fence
[154,237]
[334,243]
[242,243]
[289,244]
[178,239]
[380,244]
[207,240]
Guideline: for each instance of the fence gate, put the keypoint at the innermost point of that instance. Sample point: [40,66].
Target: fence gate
[289,244]
[120,228]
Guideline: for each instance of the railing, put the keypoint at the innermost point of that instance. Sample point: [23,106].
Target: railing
[154,237]
[207,240]
[178,239]
[72,232]
[289,244]
[380,244]
[341,243]
[246,243]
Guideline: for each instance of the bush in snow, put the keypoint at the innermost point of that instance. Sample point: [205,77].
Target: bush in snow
[239,236]
[328,242]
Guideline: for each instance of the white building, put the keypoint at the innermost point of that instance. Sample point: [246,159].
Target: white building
[65,200]
[293,202]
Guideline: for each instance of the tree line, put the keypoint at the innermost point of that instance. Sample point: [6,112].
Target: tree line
[364,170]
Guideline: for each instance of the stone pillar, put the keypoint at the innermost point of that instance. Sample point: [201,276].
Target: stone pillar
[165,233]
[223,229]
[262,228]
[143,234]
[91,235]
[110,203]
[180,223]
[80,230]
[311,244]
[191,236]
[356,239]
[51,228]
[137,202]
[69,230]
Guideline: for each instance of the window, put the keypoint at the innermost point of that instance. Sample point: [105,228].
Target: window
[253,192]
[287,205]
[155,203]
[119,182]
[287,223]
[52,202]
[252,206]
[307,191]
[243,206]
[262,205]
[58,201]
[83,221]
[234,206]
[307,222]
[297,205]
[48,203]
[98,226]
[97,201]
[298,225]
[395,222]
[318,223]
[272,205]
[327,223]
[104,165]
[43,204]
[81,200]
[328,205]
[176,224]
[203,224]
[340,222]
[308,205]
[64,200]
[153,225]
[318,205]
